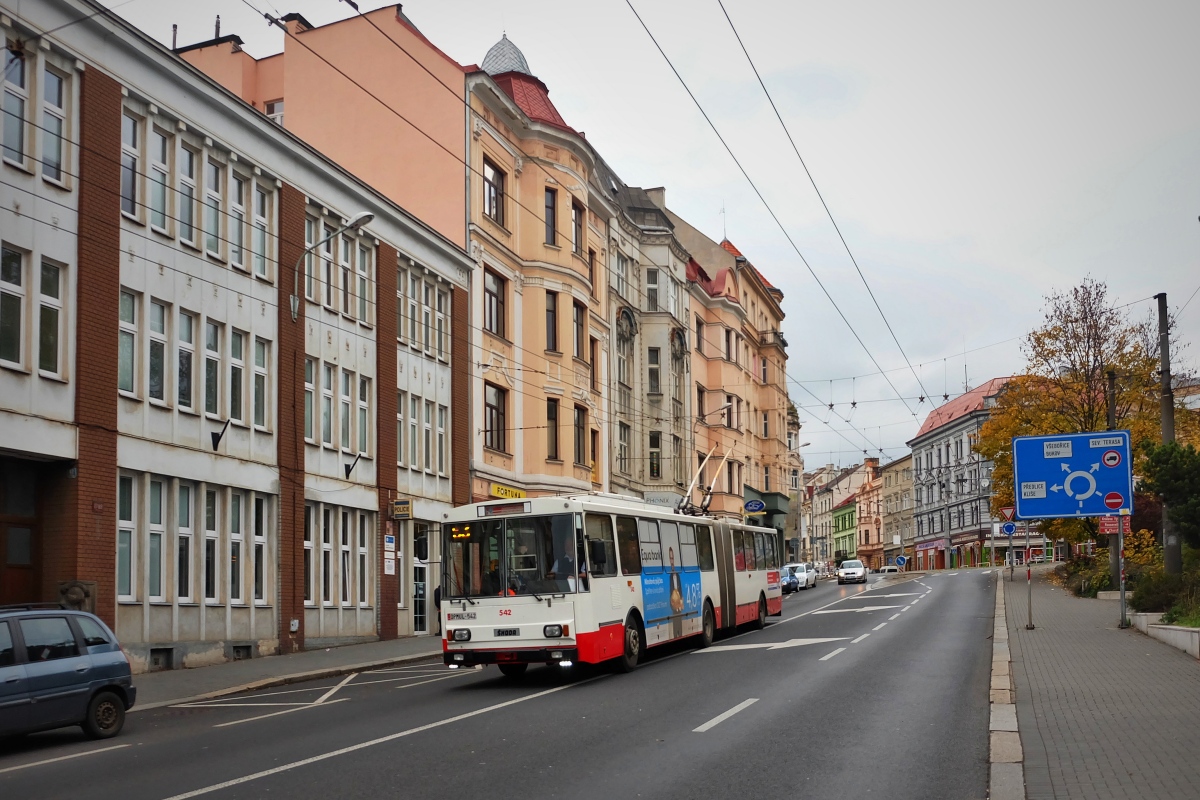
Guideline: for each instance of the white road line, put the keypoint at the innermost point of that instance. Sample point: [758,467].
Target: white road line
[381,740]
[906,608]
[880,625]
[219,704]
[987,572]
[333,690]
[431,680]
[61,758]
[951,575]
[831,655]
[719,718]
[277,713]
[859,639]
[915,600]
[892,617]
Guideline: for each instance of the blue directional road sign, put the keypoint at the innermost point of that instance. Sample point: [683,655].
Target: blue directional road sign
[1073,475]
[901,561]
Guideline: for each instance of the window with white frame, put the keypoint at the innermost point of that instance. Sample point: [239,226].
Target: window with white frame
[274,111]
[766,478]
[309,398]
[795,479]
[50,319]
[127,344]
[766,428]
[346,268]
[237,374]
[622,274]
[16,100]
[237,511]
[156,367]
[310,562]
[623,436]
[427,318]
[327,523]
[443,305]
[364,560]
[364,415]
[654,383]
[12,305]
[130,156]
[126,538]
[310,259]
[327,405]
[212,208]
[260,549]
[187,194]
[652,290]
[258,241]
[160,177]
[238,187]
[157,534]
[346,415]
[364,284]
[212,558]
[401,399]
[262,353]
[183,544]
[414,420]
[655,455]
[428,430]
[414,299]
[327,265]
[442,414]
[344,577]
[677,464]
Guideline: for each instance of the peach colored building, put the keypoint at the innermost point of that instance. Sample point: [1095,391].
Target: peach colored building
[405,140]
[538,235]
[870,519]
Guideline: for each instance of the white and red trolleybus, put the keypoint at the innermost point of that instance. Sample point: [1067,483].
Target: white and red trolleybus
[596,577]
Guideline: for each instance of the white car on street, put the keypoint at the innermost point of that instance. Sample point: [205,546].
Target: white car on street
[851,571]
[806,576]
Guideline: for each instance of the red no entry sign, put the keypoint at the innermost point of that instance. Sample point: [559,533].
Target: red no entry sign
[1114,500]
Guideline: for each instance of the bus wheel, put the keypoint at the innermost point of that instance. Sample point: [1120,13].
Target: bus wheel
[513,670]
[708,626]
[629,659]
[761,622]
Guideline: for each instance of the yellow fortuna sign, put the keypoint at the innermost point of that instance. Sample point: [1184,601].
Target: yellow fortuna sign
[505,492]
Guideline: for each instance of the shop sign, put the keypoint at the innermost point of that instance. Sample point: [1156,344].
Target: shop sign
[505,492]
[937,544]
[402,509]
[965,538]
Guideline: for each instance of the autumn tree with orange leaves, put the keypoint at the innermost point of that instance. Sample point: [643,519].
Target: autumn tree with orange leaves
[1063,389]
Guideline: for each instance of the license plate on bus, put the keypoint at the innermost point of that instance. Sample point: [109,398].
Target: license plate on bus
[508,632]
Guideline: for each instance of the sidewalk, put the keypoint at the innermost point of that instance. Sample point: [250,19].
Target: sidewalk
[1103,712]
[157,689]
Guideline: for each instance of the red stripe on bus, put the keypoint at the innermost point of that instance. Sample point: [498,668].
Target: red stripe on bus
[601,645]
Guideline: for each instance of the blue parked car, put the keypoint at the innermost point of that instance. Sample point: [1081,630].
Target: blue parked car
[59,668]
[788,581]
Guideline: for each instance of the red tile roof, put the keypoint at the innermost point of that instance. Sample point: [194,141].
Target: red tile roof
[532,97]
[960,406]
[847,501]
[729,248]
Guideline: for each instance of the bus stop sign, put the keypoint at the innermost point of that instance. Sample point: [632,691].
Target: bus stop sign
[1072,475]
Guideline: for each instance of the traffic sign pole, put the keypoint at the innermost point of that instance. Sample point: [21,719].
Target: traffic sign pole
[1124,623]
[1028,579]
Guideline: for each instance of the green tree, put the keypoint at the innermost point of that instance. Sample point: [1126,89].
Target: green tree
[1172,471]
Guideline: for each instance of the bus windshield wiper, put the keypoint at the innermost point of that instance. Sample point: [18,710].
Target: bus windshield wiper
[464,594]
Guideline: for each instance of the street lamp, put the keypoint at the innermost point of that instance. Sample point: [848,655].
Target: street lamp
[356,223]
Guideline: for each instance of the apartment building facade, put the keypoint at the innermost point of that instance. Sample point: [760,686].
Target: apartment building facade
[844,519]
[869,512]
[199,393]
[841,485]
[898,508]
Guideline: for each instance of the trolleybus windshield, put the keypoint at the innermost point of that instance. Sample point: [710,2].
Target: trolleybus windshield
[514,556]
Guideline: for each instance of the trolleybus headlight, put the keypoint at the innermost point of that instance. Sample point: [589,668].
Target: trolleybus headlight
[557,654]
[458,657]
[461,634]
[552,631]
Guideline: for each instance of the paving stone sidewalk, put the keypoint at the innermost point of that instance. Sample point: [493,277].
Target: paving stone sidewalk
[1103,712]
[157,689]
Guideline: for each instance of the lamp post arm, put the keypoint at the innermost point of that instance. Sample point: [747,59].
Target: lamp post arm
[295,298]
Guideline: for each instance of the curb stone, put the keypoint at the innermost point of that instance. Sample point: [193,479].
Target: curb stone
[1006,779]
[296,677]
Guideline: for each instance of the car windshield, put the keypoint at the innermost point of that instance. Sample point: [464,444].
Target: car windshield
[513,556]
[851,565]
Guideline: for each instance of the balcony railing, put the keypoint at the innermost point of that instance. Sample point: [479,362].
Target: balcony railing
[773,338]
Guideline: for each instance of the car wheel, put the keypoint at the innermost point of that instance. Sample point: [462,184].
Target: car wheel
[105,716]
[513,670]
[708,626]
[632,655]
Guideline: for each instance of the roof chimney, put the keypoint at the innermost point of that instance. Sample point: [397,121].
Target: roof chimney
[217,32]
[659,195]
[174,36]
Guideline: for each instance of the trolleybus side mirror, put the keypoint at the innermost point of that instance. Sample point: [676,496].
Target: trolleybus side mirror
[596,553]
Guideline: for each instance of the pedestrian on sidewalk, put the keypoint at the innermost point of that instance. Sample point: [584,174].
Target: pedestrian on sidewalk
[437,606]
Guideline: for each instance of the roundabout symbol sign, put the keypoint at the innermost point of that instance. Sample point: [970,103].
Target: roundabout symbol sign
[1072,475]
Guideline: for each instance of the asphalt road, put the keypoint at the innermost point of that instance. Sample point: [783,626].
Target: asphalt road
[856,691]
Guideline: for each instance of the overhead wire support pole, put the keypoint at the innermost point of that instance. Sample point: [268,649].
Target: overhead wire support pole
[1172,550]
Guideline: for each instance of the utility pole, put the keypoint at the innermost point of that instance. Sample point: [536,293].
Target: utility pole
[1114,566]
[1172,550]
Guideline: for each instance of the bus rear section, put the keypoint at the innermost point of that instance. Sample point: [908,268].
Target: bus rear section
[748,560]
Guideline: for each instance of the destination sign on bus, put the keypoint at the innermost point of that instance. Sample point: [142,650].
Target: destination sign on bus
[503,508]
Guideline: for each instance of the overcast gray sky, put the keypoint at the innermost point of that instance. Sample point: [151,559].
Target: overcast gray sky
[976,157]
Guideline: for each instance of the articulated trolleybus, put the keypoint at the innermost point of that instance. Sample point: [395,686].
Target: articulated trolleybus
[596,577]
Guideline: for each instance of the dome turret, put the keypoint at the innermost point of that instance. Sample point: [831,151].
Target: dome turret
[505,57]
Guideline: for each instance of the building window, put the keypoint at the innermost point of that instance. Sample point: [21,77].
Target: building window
[310,260]
[187,195]
[16,95]
[414,439]
[327,265]
[577,228]
[129,156]
[125,538]
[364,288]
[442,415]
[160,172]
[327,405]
[347,270]
[729,417]
[655,455]
[493,192]
[345,414]
[795,479]
[426,318]
[579,323]
[327,524]
[53,122]
[344,577]
[677,458]
[494,401]
[699,335]
[274,111]
[652,290]
[763,374]
[185,356]
[260,548]
[212,208]
[594,361]
[258,241]
[127,344]
[730,351]
[592,271]
[309,562]
[766,431]
[622,274]
[400,401]
[766,478]
[183,545]
[50,319]
[428,436]
[443,305]
[211,541]
[364,414]
[552,321]
[261,384]
[552,429]
[237,374]
[493,303]
[363,559]
[581,435]
[236,513]
[655,381]
[154,553]
[551,216]
[623,433]
[157,372]
[237,230]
